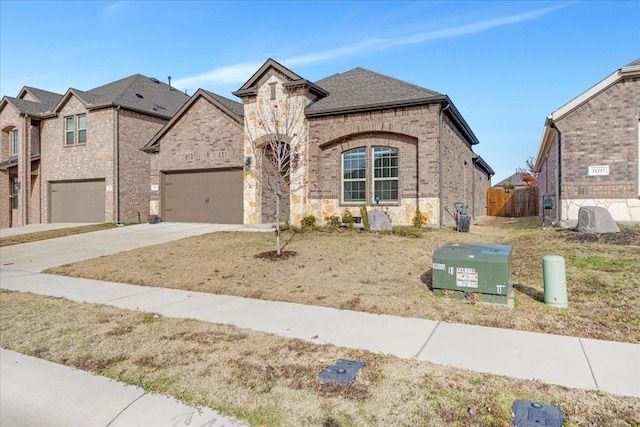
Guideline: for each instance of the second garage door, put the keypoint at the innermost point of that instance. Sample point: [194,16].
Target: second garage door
[77,201]
[203,196]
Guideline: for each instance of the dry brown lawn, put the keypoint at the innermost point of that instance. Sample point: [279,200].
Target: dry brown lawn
[268,380]
[51,234]
[391,274]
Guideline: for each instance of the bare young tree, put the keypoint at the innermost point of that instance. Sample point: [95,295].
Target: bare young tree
[275,136]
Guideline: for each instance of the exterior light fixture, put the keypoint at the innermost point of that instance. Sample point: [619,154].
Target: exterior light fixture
[247,163]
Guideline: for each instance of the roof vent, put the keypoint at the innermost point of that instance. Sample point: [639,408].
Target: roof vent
[139,95]
[153,79]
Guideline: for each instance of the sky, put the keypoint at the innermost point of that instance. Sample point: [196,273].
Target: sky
[506,65]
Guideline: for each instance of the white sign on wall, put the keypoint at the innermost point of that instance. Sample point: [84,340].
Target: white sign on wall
[109,188]
[154,187]
[599,170]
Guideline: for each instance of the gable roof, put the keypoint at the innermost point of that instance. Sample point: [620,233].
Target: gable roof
[548,134]
[49,99]
[515,179]
[136,93]
[46,101]
[250,88]
[361,89]
[233,109]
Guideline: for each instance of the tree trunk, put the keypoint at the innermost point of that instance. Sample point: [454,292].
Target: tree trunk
[278,196]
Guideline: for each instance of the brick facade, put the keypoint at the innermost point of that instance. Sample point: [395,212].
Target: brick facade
[599,128]
[203,138]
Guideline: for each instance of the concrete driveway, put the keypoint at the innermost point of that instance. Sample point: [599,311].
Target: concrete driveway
[38,256]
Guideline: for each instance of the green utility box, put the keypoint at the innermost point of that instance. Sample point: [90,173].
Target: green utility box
[475,272]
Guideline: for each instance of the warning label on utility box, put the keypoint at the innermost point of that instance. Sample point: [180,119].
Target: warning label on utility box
[466,277]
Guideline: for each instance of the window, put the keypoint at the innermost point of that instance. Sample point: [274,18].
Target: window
[354,175]
[381,179]
[15,189]
[15,143]
[385,174]
[75,129]
[82,128]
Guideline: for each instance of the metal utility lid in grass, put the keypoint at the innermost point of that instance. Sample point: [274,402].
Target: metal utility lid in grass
[343,372]
[534,414]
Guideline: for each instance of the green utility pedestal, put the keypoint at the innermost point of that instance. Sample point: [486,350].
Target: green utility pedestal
[474,272]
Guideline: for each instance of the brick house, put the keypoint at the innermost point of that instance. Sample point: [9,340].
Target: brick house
[75,157]
[590,149]
[362,139]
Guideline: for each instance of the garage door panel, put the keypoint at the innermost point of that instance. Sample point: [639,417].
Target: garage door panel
[77,201]
[208,196]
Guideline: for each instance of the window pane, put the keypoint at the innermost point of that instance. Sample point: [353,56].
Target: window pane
[82,121]
[354,191]
[82,136]
[354,174]
[15,191]
[15,142]
[69,140]
[385,174]
[69,124]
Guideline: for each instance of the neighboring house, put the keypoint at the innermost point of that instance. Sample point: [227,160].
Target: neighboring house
[364,139]
[76,157]
[514,181]
[590,149]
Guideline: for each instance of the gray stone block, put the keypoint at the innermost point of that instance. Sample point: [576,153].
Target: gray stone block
[595,219]
[379,221]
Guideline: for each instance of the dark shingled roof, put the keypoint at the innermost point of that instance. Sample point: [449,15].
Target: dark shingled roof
[29,107]
[636,62]
[49,99]
[137,93]
[364,89]
[234,106]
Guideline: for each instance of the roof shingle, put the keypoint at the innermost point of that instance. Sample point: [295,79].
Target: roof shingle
[361,88]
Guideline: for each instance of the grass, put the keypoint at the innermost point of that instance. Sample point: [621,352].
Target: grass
[267,380]
[391,274]
[51,234]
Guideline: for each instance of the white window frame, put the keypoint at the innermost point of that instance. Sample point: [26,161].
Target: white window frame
[389,178]
[14,137]
[75,131]
[344,181]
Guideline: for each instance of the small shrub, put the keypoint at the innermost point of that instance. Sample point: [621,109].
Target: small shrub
[308,221]
[333,222]
[347,218]
[365,218]
[404,231]
[419,219]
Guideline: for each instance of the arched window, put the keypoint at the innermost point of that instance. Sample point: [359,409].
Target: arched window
[373,180]
[385,174]
[354,175]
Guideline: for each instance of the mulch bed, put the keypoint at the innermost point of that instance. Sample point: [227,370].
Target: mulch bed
[273,255]
[624,237]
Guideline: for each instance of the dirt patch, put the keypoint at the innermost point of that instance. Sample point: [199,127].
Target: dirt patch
[390,274]
[624,237]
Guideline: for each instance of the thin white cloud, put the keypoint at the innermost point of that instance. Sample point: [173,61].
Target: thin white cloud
[239,73]
[113,10]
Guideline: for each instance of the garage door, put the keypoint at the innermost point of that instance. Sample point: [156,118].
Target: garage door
[205,196]
[77,201]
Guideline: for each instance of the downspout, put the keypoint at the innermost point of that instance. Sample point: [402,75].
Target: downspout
[440,185]
[558,195]
[25,174]
[117,163]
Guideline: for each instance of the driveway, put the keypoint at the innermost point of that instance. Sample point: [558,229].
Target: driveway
[40,255]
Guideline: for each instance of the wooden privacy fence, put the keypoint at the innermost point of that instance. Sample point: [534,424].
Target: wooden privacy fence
[521,201]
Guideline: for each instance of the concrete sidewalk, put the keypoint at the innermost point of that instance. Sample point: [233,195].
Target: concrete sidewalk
[612,367]
[35,392]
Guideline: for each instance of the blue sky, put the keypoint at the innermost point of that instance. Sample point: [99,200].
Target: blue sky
[506,65]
